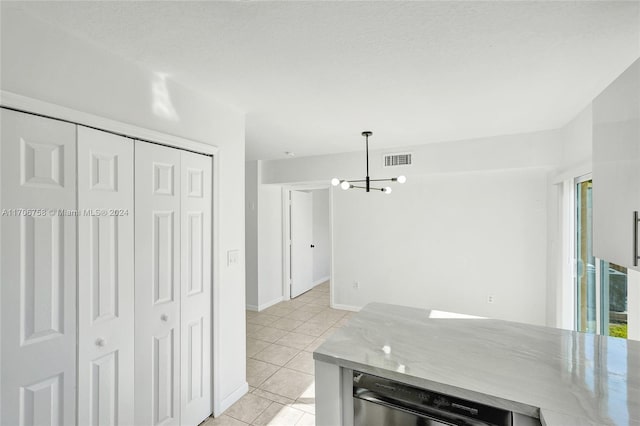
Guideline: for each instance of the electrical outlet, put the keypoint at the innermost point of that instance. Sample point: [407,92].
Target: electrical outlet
[356,285]
[233,257]
[490,298]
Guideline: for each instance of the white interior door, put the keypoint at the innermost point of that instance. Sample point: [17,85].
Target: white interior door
[195,288]
[105,272]
[38,271]
[301,240]
[157,288]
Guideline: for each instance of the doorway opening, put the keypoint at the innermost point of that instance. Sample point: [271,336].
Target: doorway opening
[307,240]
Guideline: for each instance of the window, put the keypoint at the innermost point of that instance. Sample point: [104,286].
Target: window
[585,262]
[613,290]
[600,286]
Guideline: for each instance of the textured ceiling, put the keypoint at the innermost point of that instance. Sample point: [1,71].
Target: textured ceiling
[311,75]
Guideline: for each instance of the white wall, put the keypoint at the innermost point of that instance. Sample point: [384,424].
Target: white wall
[270,244]
[251,232]
[577,140]
[44,63]
[263,205]
[575,160]
[264,239]
[321,235]
[469,223]
[500,152]
[447,242]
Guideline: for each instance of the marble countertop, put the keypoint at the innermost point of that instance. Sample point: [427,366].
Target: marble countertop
[562,377]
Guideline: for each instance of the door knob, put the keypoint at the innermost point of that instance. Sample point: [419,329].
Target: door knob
[312,246]
[100,342]
[164,317]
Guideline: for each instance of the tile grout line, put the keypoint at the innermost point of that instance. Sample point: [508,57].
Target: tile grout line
[317,305]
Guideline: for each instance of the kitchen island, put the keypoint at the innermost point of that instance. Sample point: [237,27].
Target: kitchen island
[558,376]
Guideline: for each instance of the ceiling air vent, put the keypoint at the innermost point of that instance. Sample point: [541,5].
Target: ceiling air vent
[392,160]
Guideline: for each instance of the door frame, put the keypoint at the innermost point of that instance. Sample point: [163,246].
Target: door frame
[24,104]
[574,233]
[286,240]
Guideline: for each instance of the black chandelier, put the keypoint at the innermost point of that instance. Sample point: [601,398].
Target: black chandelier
[348,184]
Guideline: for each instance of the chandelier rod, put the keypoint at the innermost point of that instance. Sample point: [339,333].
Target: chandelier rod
[366,134]
[367,139]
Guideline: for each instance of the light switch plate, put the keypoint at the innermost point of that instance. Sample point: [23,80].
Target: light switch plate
[233,257]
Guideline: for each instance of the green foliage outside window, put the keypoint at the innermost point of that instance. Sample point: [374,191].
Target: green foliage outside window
[618,330]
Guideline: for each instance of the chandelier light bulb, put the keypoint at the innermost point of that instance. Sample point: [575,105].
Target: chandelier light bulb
[345,185]
[387,190]
[335,181]
[401,179]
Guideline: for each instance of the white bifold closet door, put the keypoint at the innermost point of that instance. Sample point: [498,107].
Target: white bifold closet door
[38,270]
[173,286]
[195,292]
[105,276]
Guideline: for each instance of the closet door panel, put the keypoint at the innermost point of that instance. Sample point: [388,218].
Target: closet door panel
[105,271]
[157,289]
[38,270]
[196,288]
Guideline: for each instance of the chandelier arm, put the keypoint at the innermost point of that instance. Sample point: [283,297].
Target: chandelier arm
[360,180]
[370,188]
[380,180]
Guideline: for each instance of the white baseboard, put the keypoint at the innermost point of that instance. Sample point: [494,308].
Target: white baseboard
[346,307]
[232,398]
[269,304]
[321,280]
[264,306]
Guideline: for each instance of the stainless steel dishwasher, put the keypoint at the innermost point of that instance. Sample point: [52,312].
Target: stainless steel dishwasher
[382,402]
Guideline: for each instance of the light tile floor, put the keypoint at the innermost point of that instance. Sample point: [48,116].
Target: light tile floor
[280,343]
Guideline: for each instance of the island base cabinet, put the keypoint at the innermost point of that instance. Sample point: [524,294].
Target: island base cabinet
[334,406]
